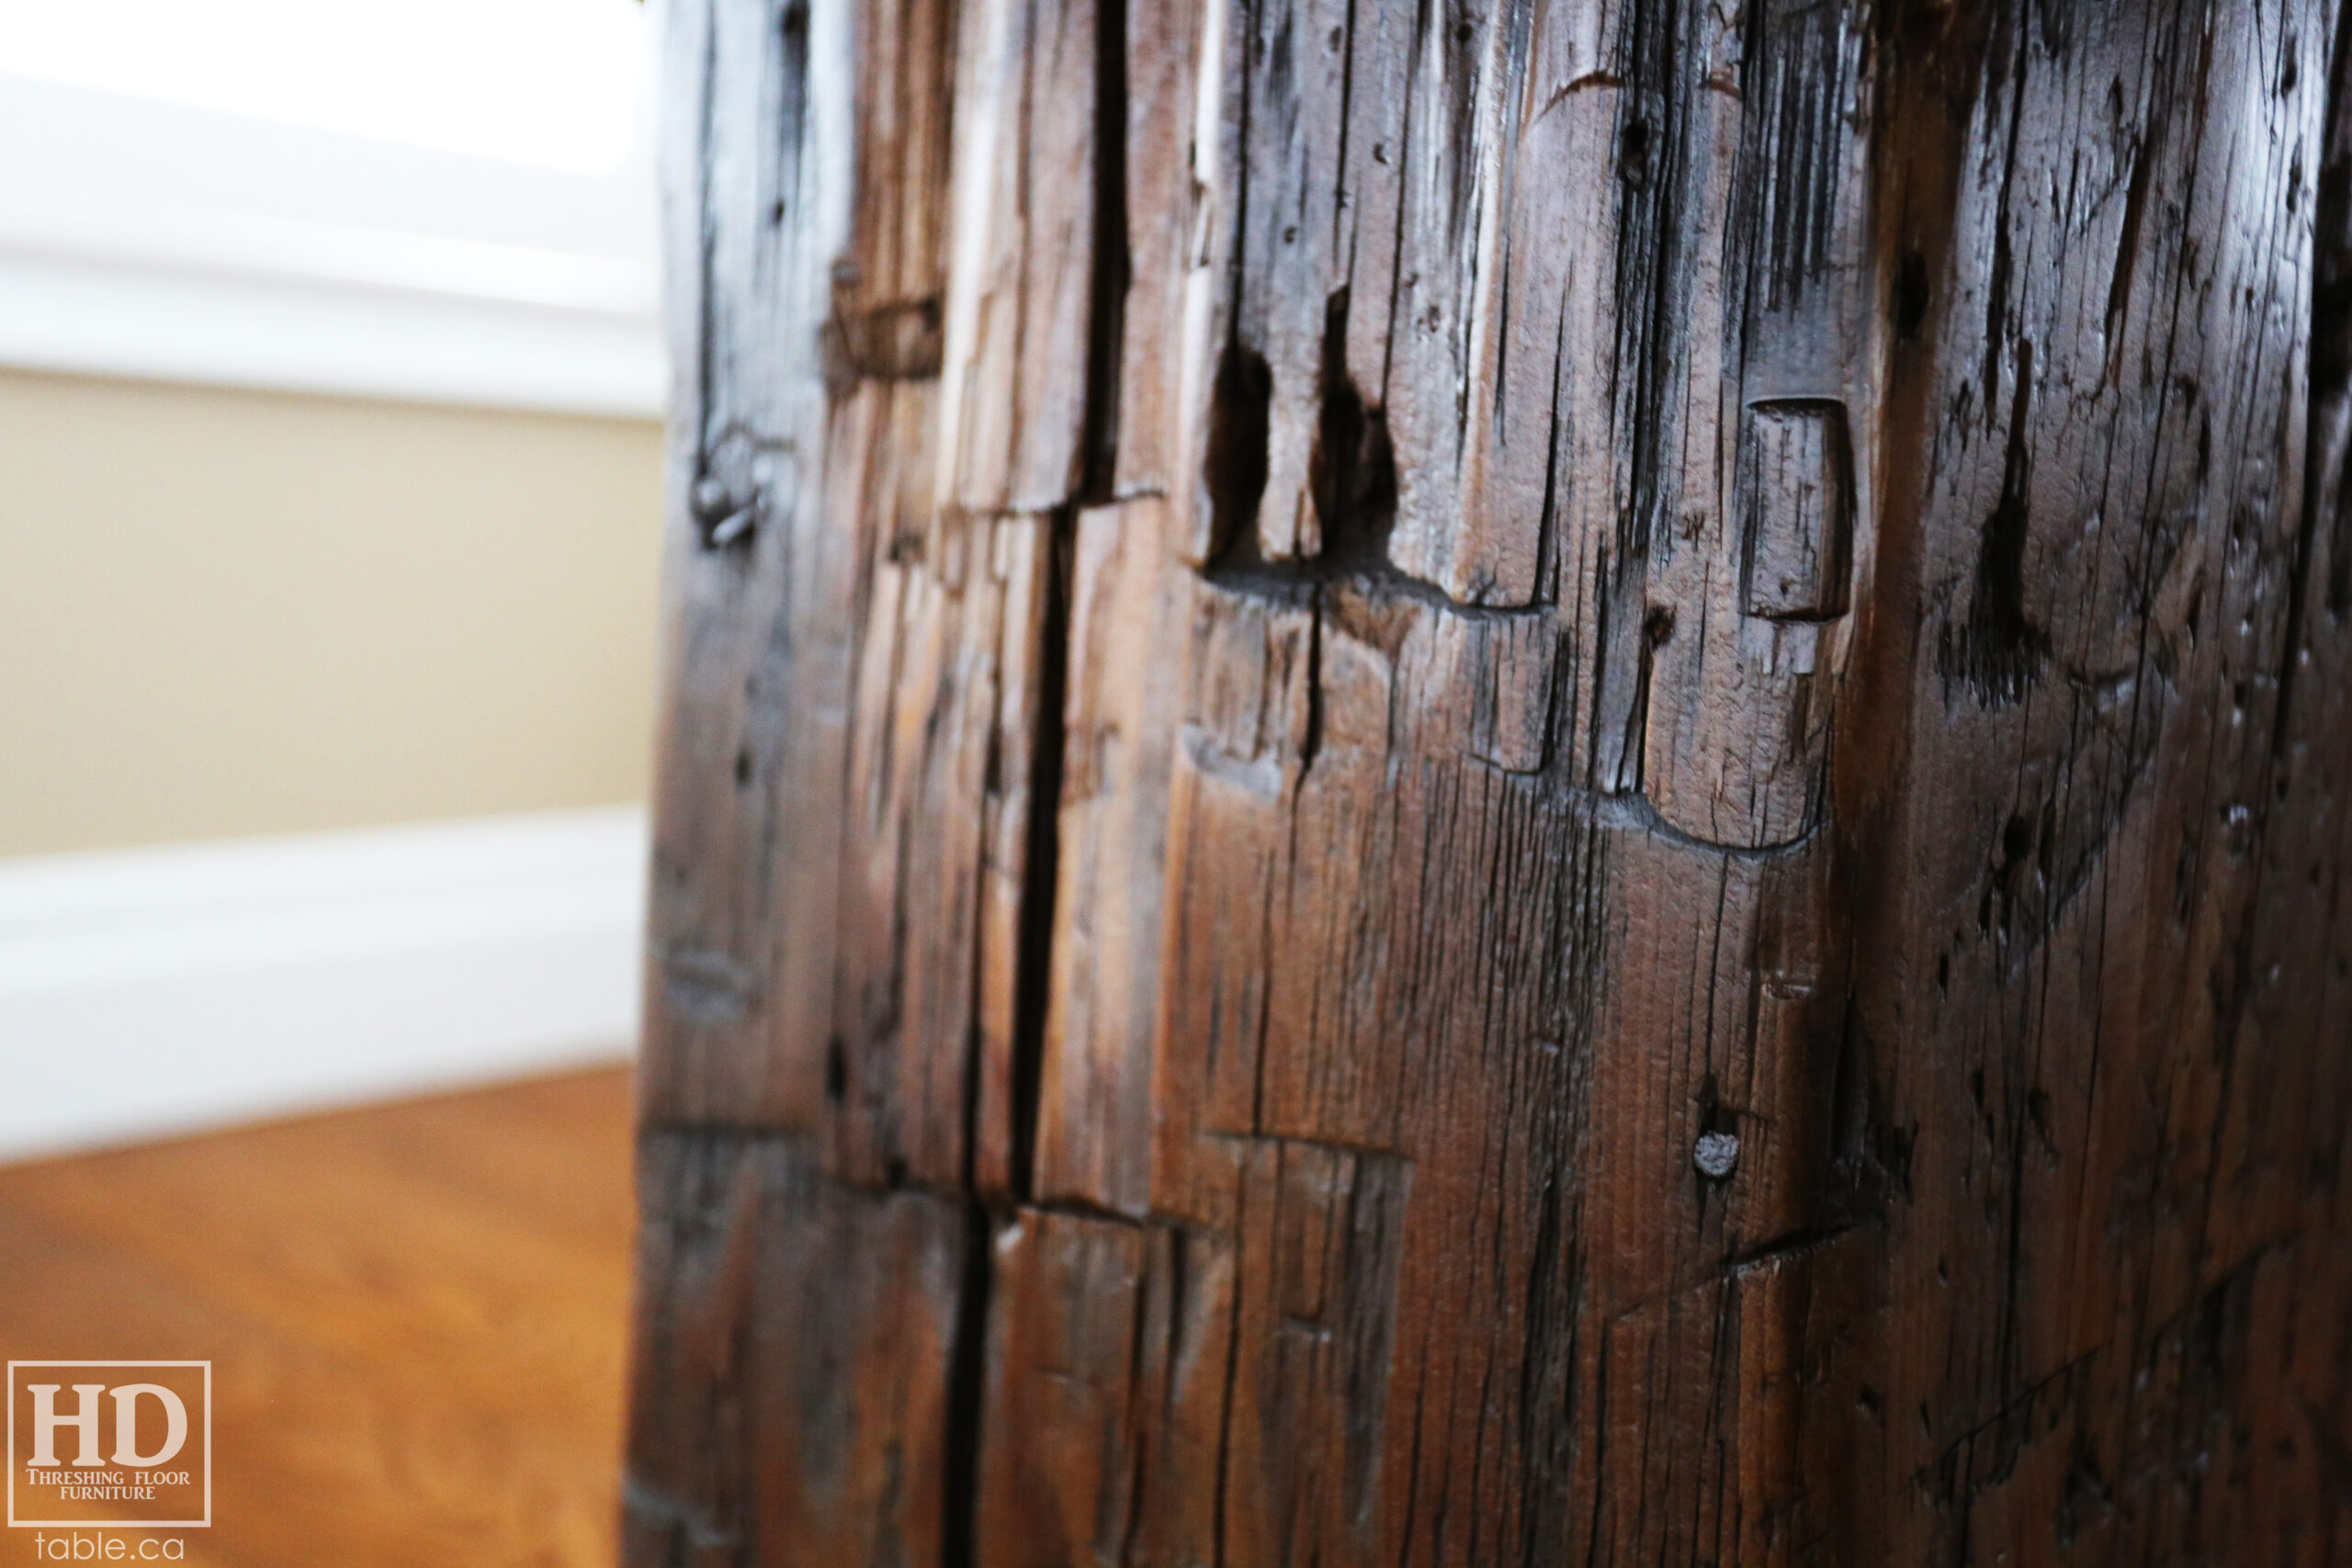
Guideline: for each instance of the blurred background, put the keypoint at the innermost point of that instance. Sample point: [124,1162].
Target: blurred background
[331,382]
[330,468]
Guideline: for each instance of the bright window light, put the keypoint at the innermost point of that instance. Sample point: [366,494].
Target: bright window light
[557,83]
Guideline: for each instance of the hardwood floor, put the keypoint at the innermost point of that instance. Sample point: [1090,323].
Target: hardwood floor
[415,1314]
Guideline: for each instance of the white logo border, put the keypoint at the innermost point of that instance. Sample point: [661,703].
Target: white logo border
[15,1523]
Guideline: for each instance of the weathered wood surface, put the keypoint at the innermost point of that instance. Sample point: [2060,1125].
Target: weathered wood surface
[1534,784]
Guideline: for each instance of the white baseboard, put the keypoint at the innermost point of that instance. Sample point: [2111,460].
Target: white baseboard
[151,992]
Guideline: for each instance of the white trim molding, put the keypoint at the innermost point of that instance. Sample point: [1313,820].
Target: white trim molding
[149,238]
[221,328]
[146,993]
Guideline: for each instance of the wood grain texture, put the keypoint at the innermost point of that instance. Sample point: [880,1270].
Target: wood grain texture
[417,1315]
[792,1346]
[1566,791]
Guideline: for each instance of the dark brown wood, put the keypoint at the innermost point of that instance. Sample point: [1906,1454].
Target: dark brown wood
[1535,784]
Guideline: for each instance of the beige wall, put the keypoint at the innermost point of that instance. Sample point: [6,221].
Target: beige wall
[234,613]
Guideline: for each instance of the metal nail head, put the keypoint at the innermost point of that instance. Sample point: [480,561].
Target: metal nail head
[1715,1153]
